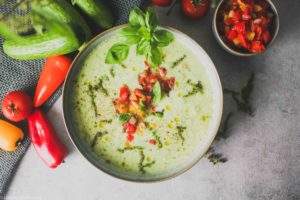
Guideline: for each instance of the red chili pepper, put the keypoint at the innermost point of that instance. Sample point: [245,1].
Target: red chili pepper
[45,140]
[53,74]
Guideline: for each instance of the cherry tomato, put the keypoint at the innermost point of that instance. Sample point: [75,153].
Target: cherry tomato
[10,136]
[163,3]
[152,141]
[16,106]
[195,9]
[124,93]
[53,74]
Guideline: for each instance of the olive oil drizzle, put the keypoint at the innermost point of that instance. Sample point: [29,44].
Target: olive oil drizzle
[178,61]
[180,130]
[91,91]
[157,138]
[112,72]
[196,88]
[141,152]
[98,135]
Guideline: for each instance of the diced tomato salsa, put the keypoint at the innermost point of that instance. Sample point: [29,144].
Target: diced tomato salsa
[137,103]
[245,24]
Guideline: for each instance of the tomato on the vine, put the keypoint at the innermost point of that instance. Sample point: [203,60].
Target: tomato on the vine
[195,9]
[16,106]
[163,3]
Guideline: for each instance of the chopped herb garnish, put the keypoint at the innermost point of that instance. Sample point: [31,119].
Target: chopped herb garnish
[160,114]
[149,164]
[141,164]
[122,65]
[105,77]
[106,121]
[93,96]
[98,135]
[180,130]
[99,87]
[124,117]
[176,62]
[160,145]
[156,93]
[196,88]
[112,72]
[91,91]
[142,158]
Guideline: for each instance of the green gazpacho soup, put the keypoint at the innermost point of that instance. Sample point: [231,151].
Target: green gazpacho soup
[140,120]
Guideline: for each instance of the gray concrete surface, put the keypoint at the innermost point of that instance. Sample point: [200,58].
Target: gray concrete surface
[263,150]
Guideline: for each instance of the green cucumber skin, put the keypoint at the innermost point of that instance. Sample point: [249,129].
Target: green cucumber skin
[61,10]
[98,11]
[40,46]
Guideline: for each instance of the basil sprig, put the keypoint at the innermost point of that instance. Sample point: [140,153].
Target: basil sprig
[141,31]
[156,93]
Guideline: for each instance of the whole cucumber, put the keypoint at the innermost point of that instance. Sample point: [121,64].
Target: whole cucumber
[62,11]
[98,12]
[40,46]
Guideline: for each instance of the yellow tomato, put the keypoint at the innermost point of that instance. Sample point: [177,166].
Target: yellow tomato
[10,136]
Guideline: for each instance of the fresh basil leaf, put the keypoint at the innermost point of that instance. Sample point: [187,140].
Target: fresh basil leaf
[163,38]
[154,56]
[124,117]
[131,39]
[136,17]
[129,30]
[151,18]
[117,53]
[156,93]
[160,114]
[143,47]
[144,33]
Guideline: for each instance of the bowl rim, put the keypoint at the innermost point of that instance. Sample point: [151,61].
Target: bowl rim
[233,51]
[206,145]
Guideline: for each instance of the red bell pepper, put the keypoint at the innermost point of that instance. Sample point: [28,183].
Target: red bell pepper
[45,140]
[52,76]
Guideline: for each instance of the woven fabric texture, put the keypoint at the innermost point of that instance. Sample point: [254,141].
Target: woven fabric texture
[23,75]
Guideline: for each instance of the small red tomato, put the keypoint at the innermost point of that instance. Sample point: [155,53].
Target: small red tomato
[266,37]
[129,128]
[130,137]
[163,3]
[243,41]
[232,35]
[257,46]
[240,27]
[195,9]
[152,141]
[16,106]
[124,93]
